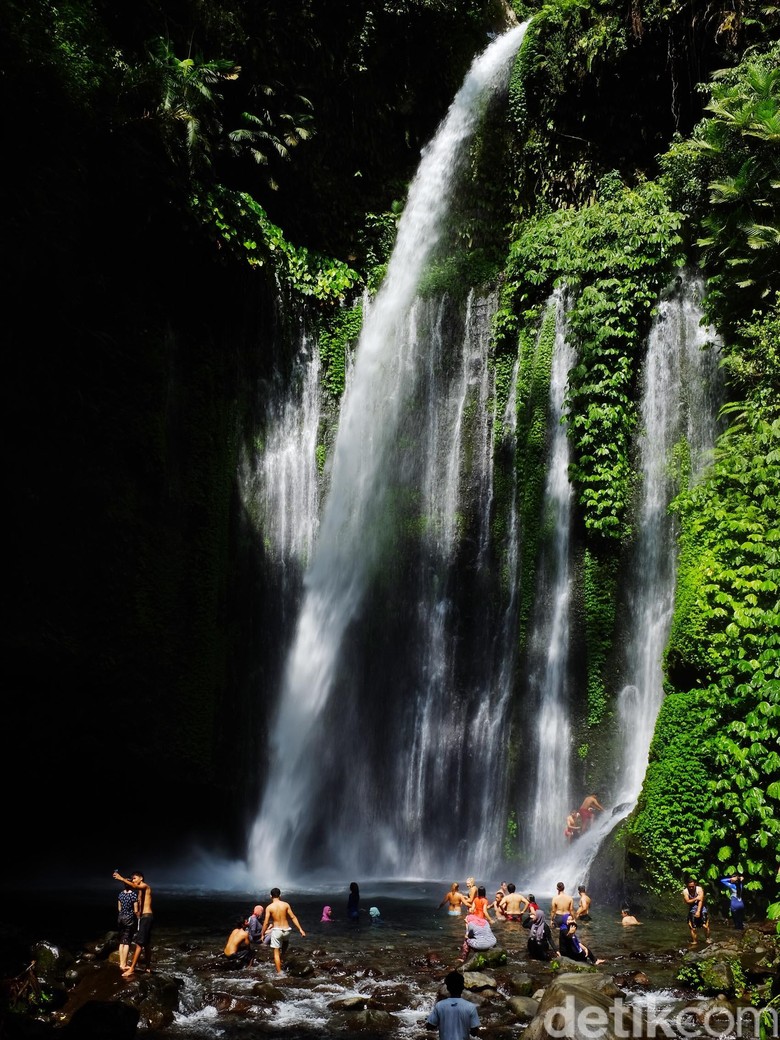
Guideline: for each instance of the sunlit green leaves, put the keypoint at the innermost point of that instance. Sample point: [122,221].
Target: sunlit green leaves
[614,256]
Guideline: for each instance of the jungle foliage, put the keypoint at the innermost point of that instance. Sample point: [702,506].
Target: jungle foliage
[609,219]
[724,648]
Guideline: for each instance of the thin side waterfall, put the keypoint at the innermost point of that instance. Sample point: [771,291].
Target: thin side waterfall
[681,381]
[679,404]
[285,485]
[549,642]
[324,746]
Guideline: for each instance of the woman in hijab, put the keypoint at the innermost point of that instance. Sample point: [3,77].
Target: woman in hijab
[572,947]
[479,935]
[540,944]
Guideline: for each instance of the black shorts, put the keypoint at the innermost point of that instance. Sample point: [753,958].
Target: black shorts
[699,922]
[143,936]
[126,931]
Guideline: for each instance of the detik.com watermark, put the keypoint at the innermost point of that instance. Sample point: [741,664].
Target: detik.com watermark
[634,1022]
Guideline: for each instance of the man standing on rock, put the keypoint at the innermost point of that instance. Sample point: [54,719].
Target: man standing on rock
[278,915]
[454,1017]
[698,914]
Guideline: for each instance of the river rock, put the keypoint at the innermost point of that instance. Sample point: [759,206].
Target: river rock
[348,1004]
[633,978]
[369,1020]
[575,1005]
[268,991]
[524,1007]
[493,958]
[51,961]
[98,1019]
[299,967]
[229,1003]
[396,998]
[522,985]
[155,996]
[708,971]
[478,980]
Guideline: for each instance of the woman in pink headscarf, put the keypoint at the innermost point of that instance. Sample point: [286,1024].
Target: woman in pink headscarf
[327,914]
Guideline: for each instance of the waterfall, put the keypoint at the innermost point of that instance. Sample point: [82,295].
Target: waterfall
[283,486]
[328,799]
[548,658]
[680,394]
[681,381]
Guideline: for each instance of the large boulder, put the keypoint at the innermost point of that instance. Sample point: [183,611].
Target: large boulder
[577,1005]
[98,1019]
[154,996]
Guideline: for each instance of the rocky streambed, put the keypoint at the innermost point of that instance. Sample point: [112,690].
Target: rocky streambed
[382,982]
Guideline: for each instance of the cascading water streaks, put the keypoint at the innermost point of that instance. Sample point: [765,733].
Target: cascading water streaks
[288,491]
[369,468]
[435,771]
[680,394]
[549,645]
[681,388]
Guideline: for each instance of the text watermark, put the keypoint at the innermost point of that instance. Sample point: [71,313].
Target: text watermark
[633,1021]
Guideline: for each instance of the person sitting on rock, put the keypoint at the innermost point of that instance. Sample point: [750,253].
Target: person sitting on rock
[479,935]
[238,951]
[571,946]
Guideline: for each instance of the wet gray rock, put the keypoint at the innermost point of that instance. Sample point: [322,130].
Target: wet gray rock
[229,1003]
[357,1003]
[522,985]
[478,980]
[369,1020]
[574,1003]
[268,992]
[524,1007]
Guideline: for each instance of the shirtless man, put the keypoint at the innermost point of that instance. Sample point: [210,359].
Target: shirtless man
[278,915]
[698,914]
[588,810]
[143,937]
[561,904]
[583,910]
[628,918]
[455,899]
[237,947]
[514,904]
[573,825]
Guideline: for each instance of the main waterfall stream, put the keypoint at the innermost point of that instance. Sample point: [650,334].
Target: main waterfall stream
[368,737]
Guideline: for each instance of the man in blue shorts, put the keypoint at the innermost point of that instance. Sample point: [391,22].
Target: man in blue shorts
[454,1017]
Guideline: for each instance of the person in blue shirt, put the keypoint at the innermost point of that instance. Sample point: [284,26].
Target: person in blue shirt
[454,1017]
[734,886]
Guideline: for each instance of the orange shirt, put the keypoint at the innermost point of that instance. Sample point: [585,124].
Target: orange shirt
[479,906]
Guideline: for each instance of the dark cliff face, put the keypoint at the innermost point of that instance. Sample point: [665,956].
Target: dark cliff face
[135,583]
